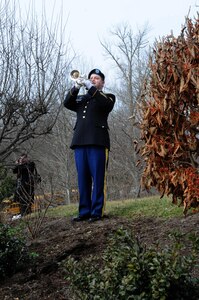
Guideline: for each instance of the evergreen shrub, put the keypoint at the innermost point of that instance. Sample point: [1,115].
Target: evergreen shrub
[128,270]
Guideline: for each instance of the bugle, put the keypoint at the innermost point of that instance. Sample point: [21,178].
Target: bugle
[75,75]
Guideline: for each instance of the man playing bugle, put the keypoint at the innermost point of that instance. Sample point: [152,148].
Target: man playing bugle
[91,142]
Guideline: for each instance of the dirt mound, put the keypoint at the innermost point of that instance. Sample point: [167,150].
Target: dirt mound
[60,238]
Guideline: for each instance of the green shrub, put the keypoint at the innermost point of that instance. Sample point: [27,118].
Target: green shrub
[13,252]
[129,270]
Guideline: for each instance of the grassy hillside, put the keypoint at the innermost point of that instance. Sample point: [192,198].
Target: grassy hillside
[149,206]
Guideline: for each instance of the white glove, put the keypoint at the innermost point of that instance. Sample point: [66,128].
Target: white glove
[87,83]
[77,86]
[78,83]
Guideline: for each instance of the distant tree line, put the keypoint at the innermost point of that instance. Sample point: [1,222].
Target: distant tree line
[33,83]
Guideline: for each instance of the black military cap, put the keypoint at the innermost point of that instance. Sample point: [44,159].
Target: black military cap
[97,72]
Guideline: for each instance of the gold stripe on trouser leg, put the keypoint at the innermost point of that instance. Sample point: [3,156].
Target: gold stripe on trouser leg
[105,182]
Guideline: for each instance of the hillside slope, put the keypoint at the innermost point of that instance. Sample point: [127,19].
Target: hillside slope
[60,238]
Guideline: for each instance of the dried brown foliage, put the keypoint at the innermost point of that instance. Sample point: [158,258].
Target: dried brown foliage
[170,126]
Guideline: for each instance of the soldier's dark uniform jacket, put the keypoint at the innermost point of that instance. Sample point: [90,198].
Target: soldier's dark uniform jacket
[92,110]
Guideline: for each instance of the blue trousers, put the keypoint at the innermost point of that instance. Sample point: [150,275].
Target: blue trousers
[91,164]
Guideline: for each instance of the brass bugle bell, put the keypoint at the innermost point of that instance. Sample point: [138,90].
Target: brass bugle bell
[75,74]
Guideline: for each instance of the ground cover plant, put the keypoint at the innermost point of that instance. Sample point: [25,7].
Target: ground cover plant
[130,270]
[13,251]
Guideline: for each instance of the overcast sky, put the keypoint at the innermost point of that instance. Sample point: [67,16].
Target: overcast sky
[88,20]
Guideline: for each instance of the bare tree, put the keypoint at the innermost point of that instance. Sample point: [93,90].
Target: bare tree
[127,51]
[57,165]
[33,61]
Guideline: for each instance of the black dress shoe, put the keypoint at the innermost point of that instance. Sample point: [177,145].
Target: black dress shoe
[80,218]
[94,219]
